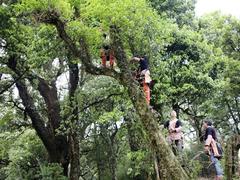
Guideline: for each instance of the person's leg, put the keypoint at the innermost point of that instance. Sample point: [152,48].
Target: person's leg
[179,145]
[217,166]
[174,148]
[147,92]
[112,59]
[103,56]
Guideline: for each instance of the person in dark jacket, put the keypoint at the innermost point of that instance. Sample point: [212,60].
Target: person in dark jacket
[210,147]
[143,74]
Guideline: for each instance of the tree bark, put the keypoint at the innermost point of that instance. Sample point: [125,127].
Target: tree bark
[231,156]
[56,145]
[170,168]
[112,157]
[73,135]
[98,154]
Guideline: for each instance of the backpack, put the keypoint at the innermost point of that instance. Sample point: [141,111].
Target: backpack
[219,146]
[220,150]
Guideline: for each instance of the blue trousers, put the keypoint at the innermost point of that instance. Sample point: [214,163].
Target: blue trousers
[217,165]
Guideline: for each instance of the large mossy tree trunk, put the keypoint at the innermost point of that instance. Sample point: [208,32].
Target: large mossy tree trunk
[169,167]
[231,156]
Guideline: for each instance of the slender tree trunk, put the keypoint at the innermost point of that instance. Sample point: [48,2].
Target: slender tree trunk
[112,159]
[99,160]
[231,156]
[73,135]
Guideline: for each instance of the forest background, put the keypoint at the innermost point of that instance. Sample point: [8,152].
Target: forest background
[64,116]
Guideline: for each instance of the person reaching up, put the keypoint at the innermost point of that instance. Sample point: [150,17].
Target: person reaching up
[143,75]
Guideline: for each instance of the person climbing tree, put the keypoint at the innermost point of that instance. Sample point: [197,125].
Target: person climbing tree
[175,135]
[143,76]
[211,149]
[106,52]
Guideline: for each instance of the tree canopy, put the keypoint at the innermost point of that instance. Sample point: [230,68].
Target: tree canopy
[65,116]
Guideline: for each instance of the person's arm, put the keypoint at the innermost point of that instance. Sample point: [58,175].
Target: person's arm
[136,59]
[207,144]
[178,129]
[208,140]
[178,126]
[166,124]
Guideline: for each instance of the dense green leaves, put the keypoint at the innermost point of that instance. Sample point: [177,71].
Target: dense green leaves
[195,63]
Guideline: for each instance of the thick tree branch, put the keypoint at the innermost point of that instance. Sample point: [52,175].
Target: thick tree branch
[52,17]
[37,121]
[73,135]
[55,144]
[12,83]
[49,93]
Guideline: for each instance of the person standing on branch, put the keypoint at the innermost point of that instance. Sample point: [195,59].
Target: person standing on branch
[106,52]
[175,135]
[143,75]
[211,149]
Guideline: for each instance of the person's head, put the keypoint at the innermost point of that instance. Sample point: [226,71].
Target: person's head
[173,114]
[206,123]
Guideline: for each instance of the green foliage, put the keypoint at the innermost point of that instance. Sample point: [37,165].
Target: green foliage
[141,30]
[63,7]
[114,115]
[25,155]
[180,11]
[196,69]
[222,31]
[183,71]
[8,116]
[51,171]
[140,160]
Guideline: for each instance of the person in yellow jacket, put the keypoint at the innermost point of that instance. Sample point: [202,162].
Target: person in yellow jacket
[210,148]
